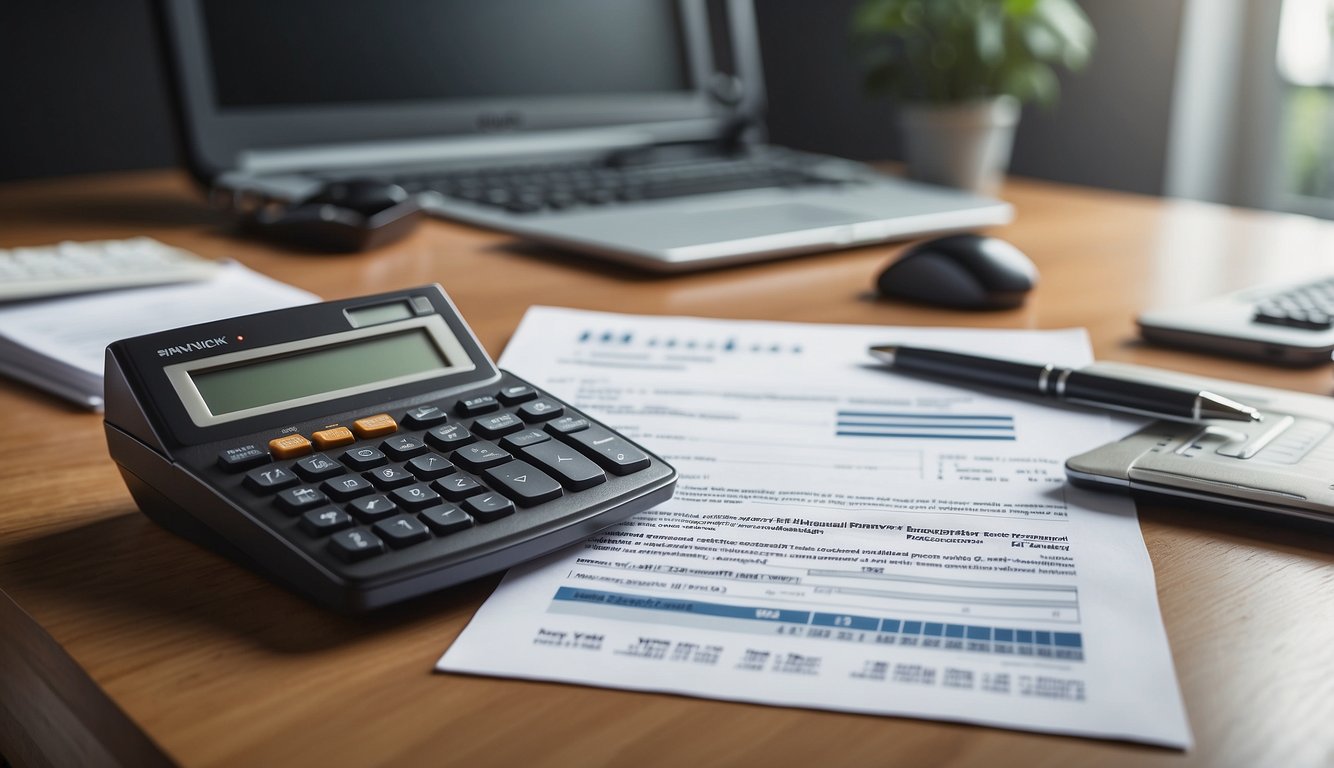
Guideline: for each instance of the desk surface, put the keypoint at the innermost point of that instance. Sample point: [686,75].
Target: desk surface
[120,642]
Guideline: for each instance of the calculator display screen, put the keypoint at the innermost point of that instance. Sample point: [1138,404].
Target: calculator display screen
[271,379]
[352,364]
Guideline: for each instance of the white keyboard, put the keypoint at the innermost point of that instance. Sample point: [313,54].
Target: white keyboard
[98,265]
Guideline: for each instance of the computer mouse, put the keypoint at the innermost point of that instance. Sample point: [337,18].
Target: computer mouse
[961,271]
[341,216]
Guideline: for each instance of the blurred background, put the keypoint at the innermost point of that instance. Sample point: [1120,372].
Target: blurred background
[1220,100]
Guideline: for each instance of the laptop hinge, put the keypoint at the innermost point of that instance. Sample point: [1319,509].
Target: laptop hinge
[444,151]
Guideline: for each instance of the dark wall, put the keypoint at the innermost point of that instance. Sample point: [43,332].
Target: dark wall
[82,91]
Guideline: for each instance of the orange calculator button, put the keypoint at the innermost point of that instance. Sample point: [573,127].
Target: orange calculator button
[374,426]
[332,438]
[289,447]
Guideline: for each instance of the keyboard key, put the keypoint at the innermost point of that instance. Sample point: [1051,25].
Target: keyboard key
[446,519]
[364,457]
[372,508]
[379,425]
[424,416]
[474,406]
[430,466]
[567,424]
[270,479]
[403,447]
[571,468]
[488,507]
[416,496]
[540,410]
[242,458]
[481,455]
[612,451]
[322,522]
[289,446]
[333,438]
[317,467]
[525,438]
[347,487]
[497,425]
[458,487]
[516,393]
[390,476]
[449,436]
[527,485]
[356,544]
[295,500]
[402,531]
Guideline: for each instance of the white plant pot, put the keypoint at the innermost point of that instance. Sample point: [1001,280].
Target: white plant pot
[965,145]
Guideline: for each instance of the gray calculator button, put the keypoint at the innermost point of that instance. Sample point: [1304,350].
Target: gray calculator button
[488,506]
[363,457]
[270,479]
[356,544]
[321,522]
[317,467]
[570,467]
[294,500]
[372,508]
[347,487]
[402,530]
[609,449]
[417,496]
[527,485]
[481,455]
[446,519]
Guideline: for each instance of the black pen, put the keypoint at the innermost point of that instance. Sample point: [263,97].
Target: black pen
[1069,384]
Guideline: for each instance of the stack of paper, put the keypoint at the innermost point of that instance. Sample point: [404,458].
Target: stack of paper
[58,345]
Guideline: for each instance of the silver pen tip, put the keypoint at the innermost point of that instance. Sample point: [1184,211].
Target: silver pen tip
[884,352]
[1218,407]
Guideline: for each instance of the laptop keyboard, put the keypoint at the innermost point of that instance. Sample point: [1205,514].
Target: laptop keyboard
[557,186]
[1309,306]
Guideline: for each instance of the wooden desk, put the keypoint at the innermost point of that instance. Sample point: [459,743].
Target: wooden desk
[122,643]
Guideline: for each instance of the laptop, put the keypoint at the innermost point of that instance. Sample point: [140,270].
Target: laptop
[627,129]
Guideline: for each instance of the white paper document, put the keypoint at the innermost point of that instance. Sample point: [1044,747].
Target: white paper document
[842,536]
[60,344]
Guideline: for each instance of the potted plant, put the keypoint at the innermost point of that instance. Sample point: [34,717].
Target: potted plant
[960,69]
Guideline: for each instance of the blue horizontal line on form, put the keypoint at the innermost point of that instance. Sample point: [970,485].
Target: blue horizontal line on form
[884,415]
[946,425]
[950,436]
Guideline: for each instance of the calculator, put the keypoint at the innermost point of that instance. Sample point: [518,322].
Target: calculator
[362,452]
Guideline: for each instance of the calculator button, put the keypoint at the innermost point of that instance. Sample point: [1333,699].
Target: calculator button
[526,484]
[294,500]
[242,457]
[515,394]
[540,410]
[356,544]
[481,455]
[446,519]
[449,437]
[570,467]
[403,447]
[429,466]
[458,487]
[375,426]
[488,507]
[347,487]
[612,451]
[289,446]
[317,467]
[363,458]
[321,522]
[332,438]
[473,406]
[425,416]
[525,438]
[390,476]
[417,496]
[495,426]
[270,479]
[402,531]
[372,508]
[567,424]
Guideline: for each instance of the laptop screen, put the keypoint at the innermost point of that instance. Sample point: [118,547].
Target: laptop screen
[270,54]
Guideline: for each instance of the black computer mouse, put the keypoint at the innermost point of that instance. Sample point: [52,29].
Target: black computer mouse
[961,271]
[342,216]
